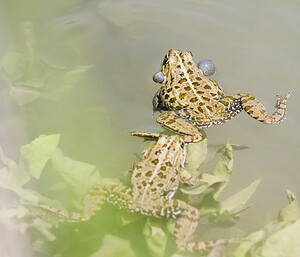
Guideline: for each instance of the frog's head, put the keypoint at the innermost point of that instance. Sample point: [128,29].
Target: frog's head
[172,64]
[176,57]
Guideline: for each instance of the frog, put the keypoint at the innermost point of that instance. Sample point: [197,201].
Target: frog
[154,181]
[191,101]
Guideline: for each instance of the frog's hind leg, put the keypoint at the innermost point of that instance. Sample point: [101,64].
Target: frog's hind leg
[118,195]
[92,202]
[173,122]
[185,225]
[257,110]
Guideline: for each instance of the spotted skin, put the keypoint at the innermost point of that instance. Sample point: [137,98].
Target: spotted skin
[194,102]
[154,180]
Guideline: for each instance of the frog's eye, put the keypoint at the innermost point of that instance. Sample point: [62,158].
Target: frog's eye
[166,59]
[158,77]
[190,53]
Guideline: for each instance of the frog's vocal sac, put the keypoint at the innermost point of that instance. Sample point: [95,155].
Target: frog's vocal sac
[192,101]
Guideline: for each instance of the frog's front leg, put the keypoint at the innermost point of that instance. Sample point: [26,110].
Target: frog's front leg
[189,178]
[256,109]
[172,121]
[146,135]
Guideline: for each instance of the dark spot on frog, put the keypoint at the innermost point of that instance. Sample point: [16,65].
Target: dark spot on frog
[193,99]
[169,164]
[148,173]
[155,161]
[189,71]
[182,80]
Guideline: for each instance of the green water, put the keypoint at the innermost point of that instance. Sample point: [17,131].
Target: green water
[114,47]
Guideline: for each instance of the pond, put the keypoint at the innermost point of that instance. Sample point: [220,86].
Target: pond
[88,68]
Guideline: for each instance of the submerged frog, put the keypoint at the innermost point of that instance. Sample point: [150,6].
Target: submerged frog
[154,180]
[194,102]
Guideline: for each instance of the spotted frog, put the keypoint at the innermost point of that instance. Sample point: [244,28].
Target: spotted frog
[194,102]
[154,180]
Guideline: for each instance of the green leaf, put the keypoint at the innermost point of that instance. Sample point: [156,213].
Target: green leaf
[236,203]
[284,242]
[156,238]
[209,205]
[30,77]
[36,154]
[249,242]
[196,154]
[291,212]
[62,83]
[223,168]
[124,217]
[13,65]
[113,246]
[79,176]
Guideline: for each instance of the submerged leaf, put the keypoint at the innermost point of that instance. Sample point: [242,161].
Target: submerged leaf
[291,212]
[236,202]
[196,154]
[79,176]
[30,77]
[223,168]
[250,241]
[284,242]
[36,154]
[113,246]
[156,238]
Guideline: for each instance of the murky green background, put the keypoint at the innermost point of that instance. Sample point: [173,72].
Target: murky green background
[254,44]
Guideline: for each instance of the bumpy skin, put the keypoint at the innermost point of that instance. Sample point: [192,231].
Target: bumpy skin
[155,180]
[194,102]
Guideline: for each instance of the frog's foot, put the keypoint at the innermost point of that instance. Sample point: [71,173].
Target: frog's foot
[173,122]
[255,108]
[186,226]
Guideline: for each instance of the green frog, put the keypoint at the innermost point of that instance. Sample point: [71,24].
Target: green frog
[154,180]
[193,101]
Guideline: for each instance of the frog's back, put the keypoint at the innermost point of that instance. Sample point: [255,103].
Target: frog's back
[157,173]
